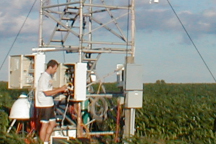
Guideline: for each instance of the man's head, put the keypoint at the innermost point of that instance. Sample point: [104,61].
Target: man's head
[52,66]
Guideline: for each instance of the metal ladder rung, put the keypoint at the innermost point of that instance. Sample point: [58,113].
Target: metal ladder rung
[70,12]
[73,7]
[56,41]
[62,30]
[66,18]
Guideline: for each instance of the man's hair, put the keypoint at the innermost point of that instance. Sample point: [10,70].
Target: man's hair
[52,63]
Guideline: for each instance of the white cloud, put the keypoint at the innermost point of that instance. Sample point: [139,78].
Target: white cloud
[162,18]
[13,14]
[149,18]
[210,13]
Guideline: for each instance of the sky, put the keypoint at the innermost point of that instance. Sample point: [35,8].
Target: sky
[163,48]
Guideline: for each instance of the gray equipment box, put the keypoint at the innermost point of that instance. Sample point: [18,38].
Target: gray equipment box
[133,77]
[134,99]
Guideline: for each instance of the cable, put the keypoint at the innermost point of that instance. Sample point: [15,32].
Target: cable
[192,41]
[17,35]
[64,115]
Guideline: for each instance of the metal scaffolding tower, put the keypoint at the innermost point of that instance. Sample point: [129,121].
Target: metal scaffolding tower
[90,28]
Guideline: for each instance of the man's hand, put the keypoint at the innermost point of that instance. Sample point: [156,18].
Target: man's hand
[64,88]
[56,91]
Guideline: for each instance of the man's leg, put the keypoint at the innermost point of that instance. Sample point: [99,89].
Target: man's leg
[43,130]
[50,128]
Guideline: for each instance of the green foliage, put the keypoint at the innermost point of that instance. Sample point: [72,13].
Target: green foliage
[11,139]
[171,114]
[3,121]
[177,112]
[160,82]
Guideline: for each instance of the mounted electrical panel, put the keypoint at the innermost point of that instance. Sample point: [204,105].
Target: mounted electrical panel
[74,74]
[133,77]
[133,85]
[22,72]
[129,76]
[134,99]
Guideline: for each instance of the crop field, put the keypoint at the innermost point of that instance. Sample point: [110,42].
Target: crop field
[171,113]
[177,113]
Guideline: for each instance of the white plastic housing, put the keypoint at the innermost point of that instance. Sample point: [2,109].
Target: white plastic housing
[80,70]
[80,82]
[25,70]
[21,109]
[39,67]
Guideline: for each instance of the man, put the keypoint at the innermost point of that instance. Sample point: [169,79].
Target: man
[44,101]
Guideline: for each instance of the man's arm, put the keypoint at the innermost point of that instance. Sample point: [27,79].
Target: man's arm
[55,91]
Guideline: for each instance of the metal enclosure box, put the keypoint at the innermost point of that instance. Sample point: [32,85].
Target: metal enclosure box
[22,70]
[134,99]
[79,78]
[133,77]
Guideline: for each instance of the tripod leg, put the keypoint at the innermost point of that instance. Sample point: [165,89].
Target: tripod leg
[13,122]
